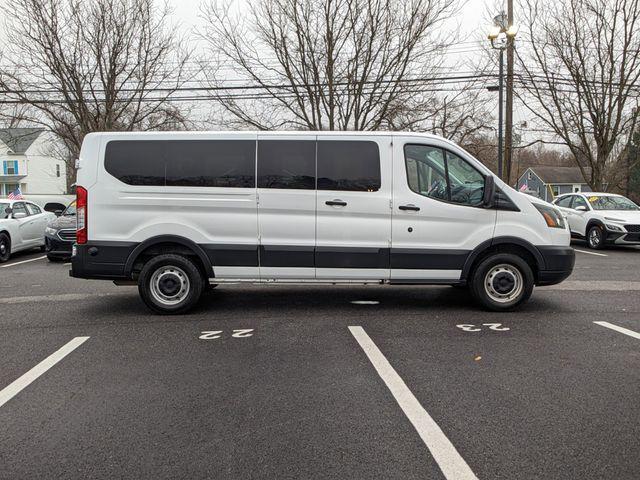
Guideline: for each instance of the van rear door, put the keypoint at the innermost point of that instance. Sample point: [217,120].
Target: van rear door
[353,221]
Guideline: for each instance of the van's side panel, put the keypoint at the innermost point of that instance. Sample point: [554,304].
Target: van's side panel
[353,240]
[223,221]
[433,243]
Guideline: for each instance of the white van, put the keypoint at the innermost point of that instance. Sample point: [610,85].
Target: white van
[179,212]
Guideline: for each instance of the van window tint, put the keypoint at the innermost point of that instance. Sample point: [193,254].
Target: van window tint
[211,163]
[185,163]
[137,162]
[287,164]
[348,165]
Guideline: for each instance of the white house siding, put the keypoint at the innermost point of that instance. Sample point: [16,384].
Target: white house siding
[37,169]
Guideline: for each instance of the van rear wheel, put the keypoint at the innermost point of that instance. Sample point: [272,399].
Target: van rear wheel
[502,281]
[170,284]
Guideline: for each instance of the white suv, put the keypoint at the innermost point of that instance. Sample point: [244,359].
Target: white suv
[601,218]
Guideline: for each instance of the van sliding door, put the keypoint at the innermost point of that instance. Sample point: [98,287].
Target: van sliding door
[286,205]
[353,224]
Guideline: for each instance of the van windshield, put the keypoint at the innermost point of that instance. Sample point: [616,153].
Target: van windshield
[3,207]
[612,202]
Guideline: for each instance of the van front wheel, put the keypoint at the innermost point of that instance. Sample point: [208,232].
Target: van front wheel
[170,284]
[502,282]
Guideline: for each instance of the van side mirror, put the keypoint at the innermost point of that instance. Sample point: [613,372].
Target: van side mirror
[489,191]
[19,215]
[581,208]
[58,212]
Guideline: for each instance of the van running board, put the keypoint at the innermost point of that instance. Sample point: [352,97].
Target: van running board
[296,281]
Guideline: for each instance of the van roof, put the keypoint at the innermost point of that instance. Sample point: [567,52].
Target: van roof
[293,133]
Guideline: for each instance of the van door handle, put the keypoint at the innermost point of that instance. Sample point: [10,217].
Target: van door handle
[336,203]
[413,208]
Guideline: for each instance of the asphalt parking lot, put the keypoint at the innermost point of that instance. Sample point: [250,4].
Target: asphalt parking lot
[321,382]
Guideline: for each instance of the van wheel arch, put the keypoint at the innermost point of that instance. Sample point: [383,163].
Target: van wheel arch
[513,245]
[167,244]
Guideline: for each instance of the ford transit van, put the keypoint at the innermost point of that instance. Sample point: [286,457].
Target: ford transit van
[181,212]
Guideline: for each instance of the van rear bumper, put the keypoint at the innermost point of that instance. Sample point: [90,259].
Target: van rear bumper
[103,261]
[558,264]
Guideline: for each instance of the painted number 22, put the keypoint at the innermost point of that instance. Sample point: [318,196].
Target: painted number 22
[214,334]
[476,328]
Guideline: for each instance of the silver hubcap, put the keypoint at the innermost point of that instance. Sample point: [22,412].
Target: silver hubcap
[594,237]
[170,285]
[503,283]
[3,248]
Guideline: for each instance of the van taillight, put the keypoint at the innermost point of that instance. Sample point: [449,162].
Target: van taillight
[81,215]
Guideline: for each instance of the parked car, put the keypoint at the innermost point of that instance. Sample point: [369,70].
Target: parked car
[176,212]
[22,226]
[601,218]
[50,203]
[60,235]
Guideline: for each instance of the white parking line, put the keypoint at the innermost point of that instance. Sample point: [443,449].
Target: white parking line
[626,331]
[21,383]
[451,463]
[23,261]
[591,253]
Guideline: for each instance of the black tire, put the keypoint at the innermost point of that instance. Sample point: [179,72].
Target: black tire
[176,293]
[5,247]
[595,237]
[502,281]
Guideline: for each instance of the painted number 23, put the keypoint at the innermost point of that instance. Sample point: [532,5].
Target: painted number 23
[213,334]
[476,328]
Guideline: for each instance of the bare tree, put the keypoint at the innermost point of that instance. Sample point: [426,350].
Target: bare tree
[84,66]
[581,66]
[323,64]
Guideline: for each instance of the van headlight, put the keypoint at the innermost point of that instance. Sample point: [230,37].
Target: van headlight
[50,231]
[551,215]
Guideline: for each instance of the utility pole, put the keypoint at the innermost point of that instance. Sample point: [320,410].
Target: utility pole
[508,129]
[500,106]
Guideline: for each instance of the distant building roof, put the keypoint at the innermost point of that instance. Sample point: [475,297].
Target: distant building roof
[560,174]
[19,139]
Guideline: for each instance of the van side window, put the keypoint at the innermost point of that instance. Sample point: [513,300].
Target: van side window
[136,162]
[289,164]
[426,172]
[444,176]
[348,165]
[211,163]
[183,163]
[466,184]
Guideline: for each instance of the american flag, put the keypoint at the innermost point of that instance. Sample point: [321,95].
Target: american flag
[15,195]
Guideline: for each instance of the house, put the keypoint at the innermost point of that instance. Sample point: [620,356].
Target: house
[548,182]
[26,161]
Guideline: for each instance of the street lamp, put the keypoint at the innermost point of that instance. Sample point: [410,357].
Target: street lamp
[500,34]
